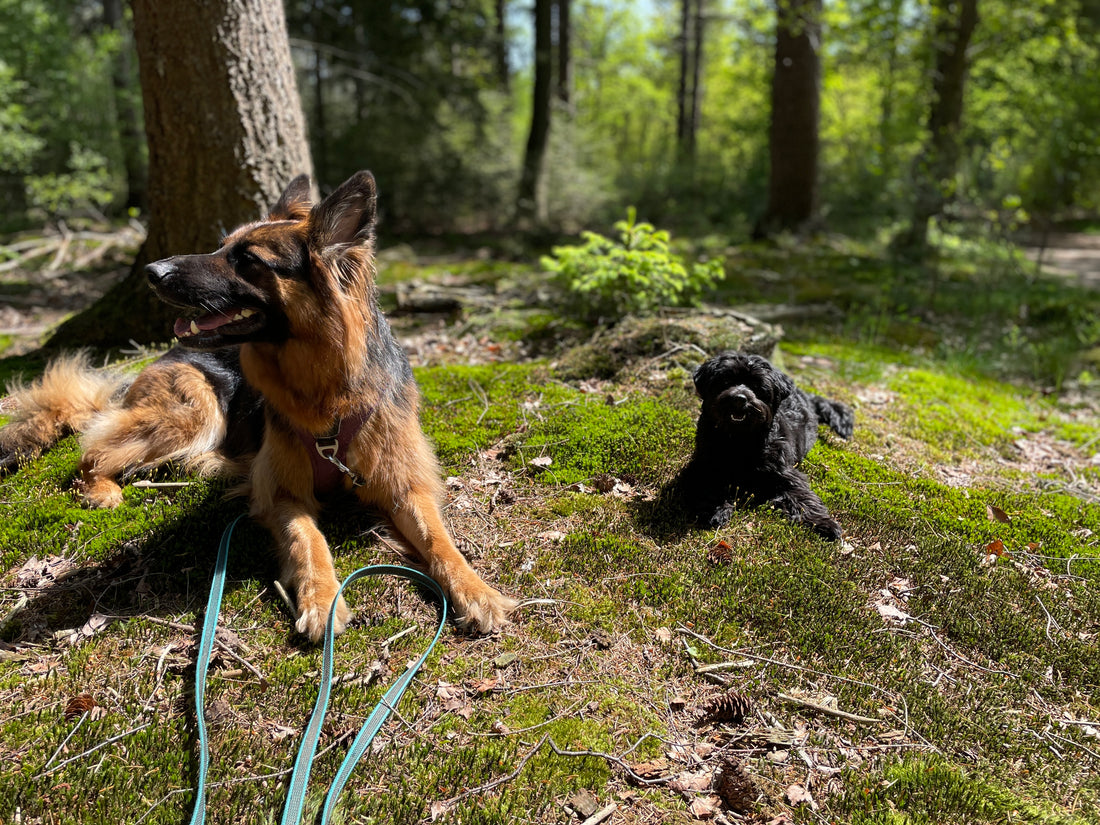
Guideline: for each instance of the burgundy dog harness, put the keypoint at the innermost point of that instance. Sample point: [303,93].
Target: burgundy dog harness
[328,453]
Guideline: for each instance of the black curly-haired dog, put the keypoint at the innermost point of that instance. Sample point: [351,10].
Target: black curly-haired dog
[754,428]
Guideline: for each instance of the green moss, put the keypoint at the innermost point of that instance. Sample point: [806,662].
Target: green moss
[641,438]
[930,790]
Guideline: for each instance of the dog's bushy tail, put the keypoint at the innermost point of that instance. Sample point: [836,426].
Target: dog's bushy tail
[836,416]
[65,399]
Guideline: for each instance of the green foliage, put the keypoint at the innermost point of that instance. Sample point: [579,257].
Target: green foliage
[605,279]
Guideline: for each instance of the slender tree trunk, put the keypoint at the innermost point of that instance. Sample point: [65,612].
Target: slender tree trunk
[529,205]
[225,132]
[696,82]
[796,105]
[683,106]
[954,22]
[565,56]
[126,109]
[500,47]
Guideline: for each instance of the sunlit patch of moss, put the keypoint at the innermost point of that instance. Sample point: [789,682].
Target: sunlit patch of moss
[468,408]
[639,438]
[927,789]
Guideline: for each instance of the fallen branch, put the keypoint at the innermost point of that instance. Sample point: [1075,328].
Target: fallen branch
[615,760]
[831,711]
[103,744]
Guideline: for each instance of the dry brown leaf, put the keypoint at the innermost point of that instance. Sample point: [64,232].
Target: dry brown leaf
[704,807]
[798,795]
[995,548]
[484,685]
[997,514]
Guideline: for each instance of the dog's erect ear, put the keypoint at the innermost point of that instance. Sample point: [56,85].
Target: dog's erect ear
[347,215]
[295,202]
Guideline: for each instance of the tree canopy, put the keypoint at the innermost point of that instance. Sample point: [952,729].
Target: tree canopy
[417,92]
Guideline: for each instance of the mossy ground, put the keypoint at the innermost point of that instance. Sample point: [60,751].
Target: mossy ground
[956,625]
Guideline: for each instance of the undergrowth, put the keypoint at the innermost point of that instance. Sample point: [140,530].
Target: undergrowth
[938,665]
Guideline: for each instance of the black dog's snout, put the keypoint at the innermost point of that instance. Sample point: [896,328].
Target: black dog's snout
[159,271]
[736,400]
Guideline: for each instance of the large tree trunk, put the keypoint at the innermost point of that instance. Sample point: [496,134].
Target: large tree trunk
[796,105]
[126,109]
[225,132]
[529,205]
[954,22]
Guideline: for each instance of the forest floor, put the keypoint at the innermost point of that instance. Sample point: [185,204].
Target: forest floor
[940,664]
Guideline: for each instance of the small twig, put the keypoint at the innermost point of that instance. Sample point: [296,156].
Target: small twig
[488,786]
[476,387]
[65,741]
[831,711]
[1050,619]
[400,634]
[146,483]
[103,744]
[601,814]
[281,591]
[641,780]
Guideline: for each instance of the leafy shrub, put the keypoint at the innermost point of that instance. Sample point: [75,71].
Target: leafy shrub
[606,279]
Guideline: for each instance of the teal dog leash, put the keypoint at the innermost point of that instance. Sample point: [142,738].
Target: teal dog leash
[303,763]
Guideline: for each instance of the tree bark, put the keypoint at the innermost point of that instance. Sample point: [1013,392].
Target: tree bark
[529,205]
[225,131]
[126,109]
[565,56]
[796,106]
[954,22]
[683,106]
[696,82]
[500,47]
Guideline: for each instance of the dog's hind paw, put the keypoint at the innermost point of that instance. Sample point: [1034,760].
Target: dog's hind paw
[827,528]
[483,611]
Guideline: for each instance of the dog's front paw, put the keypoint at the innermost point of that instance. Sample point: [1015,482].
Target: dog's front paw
[314,606]
[828,529]
[479,607]
[718,517]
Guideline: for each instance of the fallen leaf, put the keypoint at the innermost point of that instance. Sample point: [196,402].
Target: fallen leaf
[996,514]
[888,611]
[484,685]
[704,807]
[663,635]
[437,809]
[688,781]
[798,795]
[542,461]
[995,548]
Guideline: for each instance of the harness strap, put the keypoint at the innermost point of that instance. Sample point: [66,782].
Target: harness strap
[303,763]
[328,453]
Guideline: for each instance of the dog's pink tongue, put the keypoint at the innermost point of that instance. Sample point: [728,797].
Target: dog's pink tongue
[184,327]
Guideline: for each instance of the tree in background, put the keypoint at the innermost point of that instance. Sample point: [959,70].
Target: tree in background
[793,142]
[225,133]
[563,87]
[953,24]
[689,89]
[530,209]
[127,108]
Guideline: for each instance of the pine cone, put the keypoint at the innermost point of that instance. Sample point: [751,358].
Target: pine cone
[735,786]
[729,707]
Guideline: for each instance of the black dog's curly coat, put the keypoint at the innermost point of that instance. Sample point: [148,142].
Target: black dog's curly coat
[754,428]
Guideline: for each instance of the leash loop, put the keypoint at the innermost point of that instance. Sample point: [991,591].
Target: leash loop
[303,763]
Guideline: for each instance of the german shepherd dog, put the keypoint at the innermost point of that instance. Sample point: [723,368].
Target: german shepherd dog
[287,373]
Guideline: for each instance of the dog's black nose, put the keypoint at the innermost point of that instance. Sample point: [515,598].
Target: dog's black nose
[159,271]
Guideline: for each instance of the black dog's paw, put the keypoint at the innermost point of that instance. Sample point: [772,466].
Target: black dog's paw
[827,529]
[719,516]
